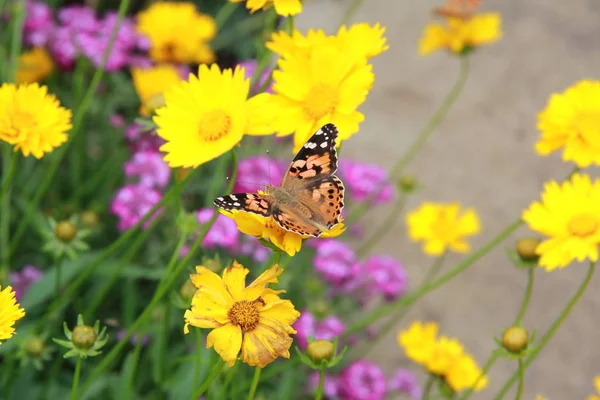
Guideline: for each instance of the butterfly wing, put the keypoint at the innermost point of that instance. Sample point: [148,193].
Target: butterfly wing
[289,219]
[326,200]
[249,202]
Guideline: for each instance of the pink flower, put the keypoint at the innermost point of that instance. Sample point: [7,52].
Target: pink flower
[132,202]
[305,326]
[387,276]
[362,380]
[79,18]
[223,232]
[150,168]
[405,382]
[250,67]
[141,139]
[336,262]
[364,180]
[117,121]
[327,329]
[38,24]
[251,247]
[256,172]
[330,385]
[21,281]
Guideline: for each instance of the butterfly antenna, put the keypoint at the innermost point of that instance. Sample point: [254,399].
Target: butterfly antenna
[269,167]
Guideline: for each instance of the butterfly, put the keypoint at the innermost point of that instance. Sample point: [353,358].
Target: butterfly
[310,198]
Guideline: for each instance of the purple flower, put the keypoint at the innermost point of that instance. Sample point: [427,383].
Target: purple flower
[38,24]
[362,380]
[117,121]
[250,67]
[405,382]
[21,281]
[134,338]
[149,167]
[305,326]
[336,262]
[141,139]
[330,385]
[63,48]
[387,276]
[329,328]
[364,180]
[223,232]
[326,329]
[79,18]
[256,171]
[132,202]
[251,247]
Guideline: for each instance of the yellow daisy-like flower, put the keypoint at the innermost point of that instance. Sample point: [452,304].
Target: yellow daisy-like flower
[151,83]
[464,374]
[31,119]
[597,387]
[284,8]
[442,226]
[206,116]
[445,353]
[34,66]
[569,215]
[419,341]
[266,228]
[177,32]
[10,312]
[252,319]
[459,34]
[571,121]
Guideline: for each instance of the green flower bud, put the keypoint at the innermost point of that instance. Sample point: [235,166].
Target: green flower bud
[65,231]
[515,339]
[319,350]
[526,248]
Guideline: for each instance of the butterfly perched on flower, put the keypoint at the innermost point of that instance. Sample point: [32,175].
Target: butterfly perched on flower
[310,198]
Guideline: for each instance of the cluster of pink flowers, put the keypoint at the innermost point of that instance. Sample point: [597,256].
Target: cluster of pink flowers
[256,172]
[307,326]
[78,31]
[365,180]
[20,281]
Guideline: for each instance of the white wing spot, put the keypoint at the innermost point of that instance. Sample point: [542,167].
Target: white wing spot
[323,145]
[319,132]
[236,204]
[310,145]
[220,199]
[233,197]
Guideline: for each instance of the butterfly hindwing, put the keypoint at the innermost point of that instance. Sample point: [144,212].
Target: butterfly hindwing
[326,198]
[249,202]
[318,156]
[287,218]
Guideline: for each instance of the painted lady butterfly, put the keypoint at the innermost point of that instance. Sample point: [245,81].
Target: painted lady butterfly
[310,198]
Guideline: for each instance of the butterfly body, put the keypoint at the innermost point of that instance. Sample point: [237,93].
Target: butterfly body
[310,197]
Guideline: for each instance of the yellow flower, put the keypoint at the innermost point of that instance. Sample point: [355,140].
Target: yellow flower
[571,121]
[34,66]
[445,353]
[465,374]
[207,116]
[177,32]
[151,83]
[442,226]
[569,215]
[31,119]
[282,7]
[597,386]
[252,319]
[10,312]
[419,341]
[266,228]
[459,34]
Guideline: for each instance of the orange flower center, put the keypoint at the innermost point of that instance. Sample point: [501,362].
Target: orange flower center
[245,314]
[320,101]
[583,225]
[214,125]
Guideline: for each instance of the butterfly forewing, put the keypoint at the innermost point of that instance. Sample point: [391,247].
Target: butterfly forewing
[250,202]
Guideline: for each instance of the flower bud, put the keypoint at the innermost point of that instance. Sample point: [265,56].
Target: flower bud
[65,231]
[34,347]
[407,183]
[84,336]
[526,248]
[320,350]
[212,264]
[89,219]
[515,339]
[187,290]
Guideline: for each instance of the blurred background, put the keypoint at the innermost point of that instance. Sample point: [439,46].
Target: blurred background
[483,156]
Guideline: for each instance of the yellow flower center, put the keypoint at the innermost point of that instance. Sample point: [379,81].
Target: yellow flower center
[583,225]
[320,101]
[245,314]
[214,125]
[22,123]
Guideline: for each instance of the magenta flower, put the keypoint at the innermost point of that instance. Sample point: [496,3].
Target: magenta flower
[386,275]
[117,121]
[250,67]
[364,180]
[38,25]
[251,247]
[79,18]
[329,328]
[223,233]
[336,262]
[305,326]
[21,281]
[256,172]
[330,385]
[405,382]
[362,380]
[150,168]
[141,139]
[132,202]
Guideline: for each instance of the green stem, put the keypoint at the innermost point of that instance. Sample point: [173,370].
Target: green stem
[388,223]
[197,362]
[351,11]
[162,351]
[224,13]
[77,122]
[216,370]
[319,393]
[521,372]
[291,25]
[421,139]
[551,331]
[136,356]
[254,384]
[526,296]
[9,169]
[76,379]
[411,298]
[489,363]
[428,386]
[16,38]
[57,279]
[7,162]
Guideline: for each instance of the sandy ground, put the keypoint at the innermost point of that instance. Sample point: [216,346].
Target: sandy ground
[482,155]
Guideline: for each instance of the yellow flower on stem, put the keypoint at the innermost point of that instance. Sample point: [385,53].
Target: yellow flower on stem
[419,341]
[178,32]
[443,356]
[266,228]
[459,34]
[442,226]
[284,8]
[465,374]
[31,119]
[208,115]
[571,121]
[10,312]
[597,386]
[251,319]
[151,83]
[569,216]
[34,66]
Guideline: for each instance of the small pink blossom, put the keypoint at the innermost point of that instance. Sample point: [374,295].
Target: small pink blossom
[330,385]
[150,168]
[405,382]
[223,233]
[365,180]
[362,380]
[256,172]
[336,261]
[21,280]
[386,275]
[132,202]
[326,329]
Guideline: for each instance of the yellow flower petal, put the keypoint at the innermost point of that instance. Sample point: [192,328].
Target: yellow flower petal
[211,284]
[254,290]
[264,344]
[235,280]
[227,341]
[10,313]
